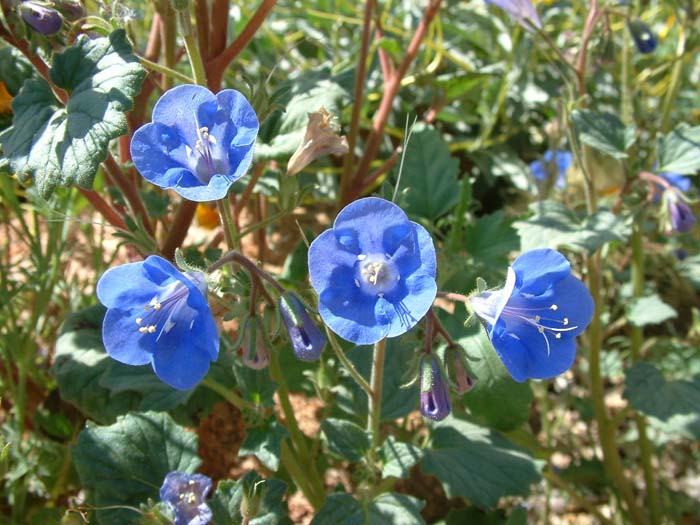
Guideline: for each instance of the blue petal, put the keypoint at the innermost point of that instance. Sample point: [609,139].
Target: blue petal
[325,255]
[244,128]
[538,170]
[216,189]
[172,486]
[368,219]
[178,108]
[353,315]
[422,290]
[537,270]
[126,286]
[416,253]
[122,339]
[676,179]
[526,356]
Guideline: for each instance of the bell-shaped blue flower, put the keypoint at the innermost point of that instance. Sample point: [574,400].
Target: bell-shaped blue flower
[554,165]
[521,10]
[374,272]
[643,37]
[159,315]
[434,392]
[677,180]
[534,319]
[198,143]
[307,340]
[680,214]
[186,495]
[41,17]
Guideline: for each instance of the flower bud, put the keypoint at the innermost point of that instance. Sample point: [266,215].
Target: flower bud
[642,35]
[41,18]
[307,340]
[434,394]
[454,361]
[256,354]
[71,9]
[680,214]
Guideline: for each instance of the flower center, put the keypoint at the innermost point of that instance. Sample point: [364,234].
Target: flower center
[161,310]
[546,322]
[376,274]
[206,155]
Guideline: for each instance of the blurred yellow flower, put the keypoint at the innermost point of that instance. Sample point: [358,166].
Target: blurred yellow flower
[5,99]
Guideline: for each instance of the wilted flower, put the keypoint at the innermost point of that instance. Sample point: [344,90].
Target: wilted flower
[41,17]
[72,9]
[320,139]
[534,319]
[374,272]
[159,315]
[462,381]
[186,495]
[434,392]
[307,340]
[198,143]
[521,10]
[642,35]
[553,166]
[256,353]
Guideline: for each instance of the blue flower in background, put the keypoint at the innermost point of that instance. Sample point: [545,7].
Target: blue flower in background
[186,495]
[680,214]
[159,315]
[521,10]
[642,35]
[534,319]
[374,272]
[307,340]
[198,143]
[561,160]
[676,180]
[41,17]
[434,392]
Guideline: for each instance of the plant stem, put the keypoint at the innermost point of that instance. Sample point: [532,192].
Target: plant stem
[674,83]
[193,53]
[297,437]
[349,160]
[129,190]
[229,395]
[296,472]
[340,354]
[160,68]
[178,228]
[636,341]
[228,224]
[375,398]
[249,265]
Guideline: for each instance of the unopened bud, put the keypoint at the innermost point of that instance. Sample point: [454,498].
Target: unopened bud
[434,393]
[41,18]
[307,340]
[642,35]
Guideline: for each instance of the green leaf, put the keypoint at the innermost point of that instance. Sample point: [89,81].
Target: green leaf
[398,458]
[553,225]
[604,132]
[504,162]
[478,464]
[679,150]
[429,174]
[496,399]
[225,504]
[60,146]
[345,439]
[389,508]
[14,69]
[284,131]
[490,239]
[643,311]
[674,405]
[125,463]
[264,442]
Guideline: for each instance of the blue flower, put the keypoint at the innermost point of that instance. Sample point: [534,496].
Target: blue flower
[561,160]
[534,320]
[374,272]
[158,315]
[41,18]
[198,143]
[186,495]
[680,214]
[676,180]
[434,392]
[521,10]
[307,340]
[642,35]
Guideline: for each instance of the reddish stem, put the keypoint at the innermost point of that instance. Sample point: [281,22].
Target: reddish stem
[129,190]
[219,27]
[178,229]
[201,16]
[215,68]
[593,15]
[106,210]
[245,196]
[391,90]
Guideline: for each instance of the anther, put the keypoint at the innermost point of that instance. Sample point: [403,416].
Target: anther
[361,257]
[565,321]
[537,318]
[557,335]
[540,329]
[139,320]
[554,307]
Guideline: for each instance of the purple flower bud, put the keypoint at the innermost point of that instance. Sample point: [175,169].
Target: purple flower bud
[434,394]
[681,215]
[642,35]
[41,18]
[256,354]
[307,340]
[71,9]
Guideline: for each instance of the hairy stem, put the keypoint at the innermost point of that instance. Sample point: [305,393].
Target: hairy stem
[375,398]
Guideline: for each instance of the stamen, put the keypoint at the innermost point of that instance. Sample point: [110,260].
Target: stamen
[554,307]
[565,321]
[361,257]
[139,320]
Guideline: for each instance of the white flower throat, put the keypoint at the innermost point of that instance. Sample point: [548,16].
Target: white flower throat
[376,274]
